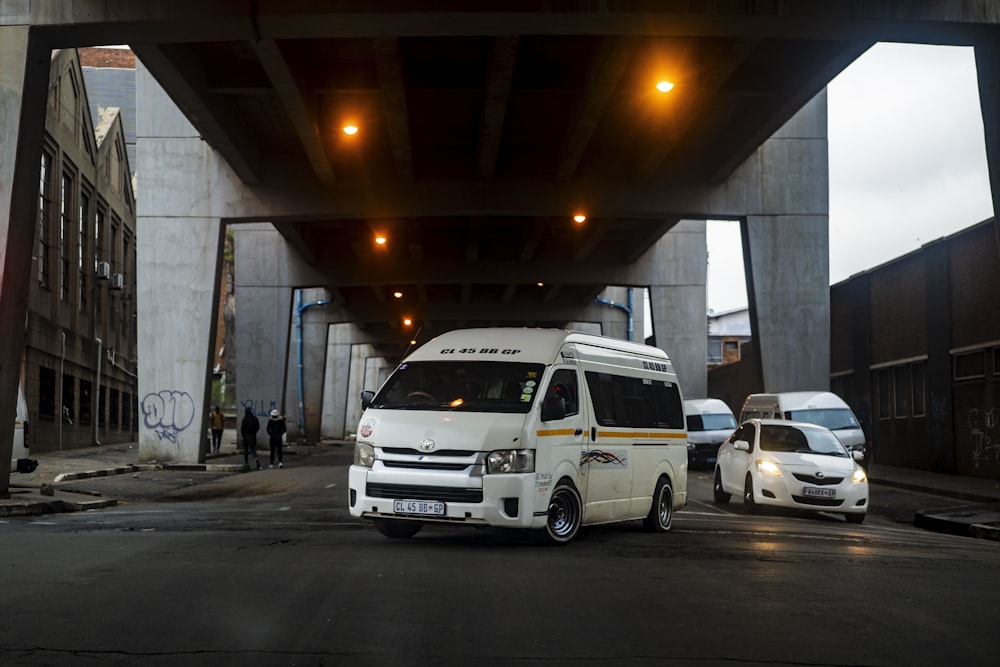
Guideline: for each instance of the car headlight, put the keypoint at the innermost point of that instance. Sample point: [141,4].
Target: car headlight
[859,476]
[511,460]
[364,455]
[766,467]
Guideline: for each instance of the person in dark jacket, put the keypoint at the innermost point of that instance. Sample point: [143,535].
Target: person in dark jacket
[248,429]
[276,429]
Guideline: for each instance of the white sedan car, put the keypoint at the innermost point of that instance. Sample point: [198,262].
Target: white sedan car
[791,464]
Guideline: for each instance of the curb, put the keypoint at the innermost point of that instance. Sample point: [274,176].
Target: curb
[37,507]
[124,470]
[963,521]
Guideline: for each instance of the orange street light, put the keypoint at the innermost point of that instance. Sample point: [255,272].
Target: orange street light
[579,218]
[664,86]
[380,239]
[350,130]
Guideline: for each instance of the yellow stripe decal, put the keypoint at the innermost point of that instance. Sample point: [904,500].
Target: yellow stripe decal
[641,434]
[556,431]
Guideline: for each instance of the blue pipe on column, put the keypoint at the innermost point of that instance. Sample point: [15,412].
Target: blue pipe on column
[299,309]
[624,307]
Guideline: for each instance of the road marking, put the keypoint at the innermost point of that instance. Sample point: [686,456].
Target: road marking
[330,486]
[285,508]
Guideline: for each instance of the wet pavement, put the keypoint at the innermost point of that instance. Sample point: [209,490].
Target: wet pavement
[957,505]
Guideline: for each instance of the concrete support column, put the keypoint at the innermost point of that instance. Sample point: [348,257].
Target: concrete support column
[24,76]
[786,248]
[678,302]
[988,71]
[306,362]
[179,254]
[337,379]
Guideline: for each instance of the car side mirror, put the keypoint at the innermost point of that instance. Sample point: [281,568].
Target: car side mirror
[553,407]
[858,455]
[366,398]
[742,445]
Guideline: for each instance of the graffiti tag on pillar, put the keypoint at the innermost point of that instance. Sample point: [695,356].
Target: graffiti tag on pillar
[168,413]
[260,408]
[985,435]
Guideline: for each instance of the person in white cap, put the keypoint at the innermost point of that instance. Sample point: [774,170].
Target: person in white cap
[276,430]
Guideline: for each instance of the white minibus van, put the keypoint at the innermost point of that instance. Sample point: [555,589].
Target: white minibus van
[19,461]
[823,408]
[522,428]
[709,423]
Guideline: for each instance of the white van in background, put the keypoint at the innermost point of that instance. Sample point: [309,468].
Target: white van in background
[539,429]
[19,461]
[823,408]
[709,423]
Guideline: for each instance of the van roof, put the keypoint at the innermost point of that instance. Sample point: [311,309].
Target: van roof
[706,406]
[796,400]
[520,344]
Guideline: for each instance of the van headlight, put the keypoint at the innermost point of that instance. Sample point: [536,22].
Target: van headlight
[510,460]
[364,455]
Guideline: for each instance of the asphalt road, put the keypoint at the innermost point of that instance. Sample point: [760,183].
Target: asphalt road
[267,568]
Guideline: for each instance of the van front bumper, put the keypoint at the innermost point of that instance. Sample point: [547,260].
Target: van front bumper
[508,501]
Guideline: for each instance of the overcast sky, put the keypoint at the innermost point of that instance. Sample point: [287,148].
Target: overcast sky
[907,163]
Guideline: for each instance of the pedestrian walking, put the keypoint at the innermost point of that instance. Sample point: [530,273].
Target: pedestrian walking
[218,422]
[276,430]
[248,429]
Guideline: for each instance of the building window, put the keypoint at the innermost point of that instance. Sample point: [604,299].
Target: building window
[68,398]
[43,220]
[970,365]
[46,392]
[65,233]
[996,361]
[81,251]
[715,351]
[113,409]
[102,409]
[126,411]
[919,409]
[884,394]
[902,391]
[86,387]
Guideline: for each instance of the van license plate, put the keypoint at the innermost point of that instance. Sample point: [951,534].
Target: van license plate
[819,493]
[418,507]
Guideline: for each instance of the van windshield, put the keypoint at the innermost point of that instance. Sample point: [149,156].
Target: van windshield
[471,386]
[716,422]
[832,418]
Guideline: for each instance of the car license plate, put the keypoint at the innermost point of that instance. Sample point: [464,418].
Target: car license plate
[433,508]
[819,493]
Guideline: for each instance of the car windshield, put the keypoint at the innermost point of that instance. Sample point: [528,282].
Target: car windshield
[832,418]
[781,438]
[717,422]
[472,386]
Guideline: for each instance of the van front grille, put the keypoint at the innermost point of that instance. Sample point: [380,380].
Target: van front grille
[442,493]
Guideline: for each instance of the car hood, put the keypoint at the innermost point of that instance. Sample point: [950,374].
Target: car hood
[796,461]
[468,431]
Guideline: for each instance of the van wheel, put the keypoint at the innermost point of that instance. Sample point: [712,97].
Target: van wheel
[565,514]
[661,511]
[748,501]
[718,492]
[396,528]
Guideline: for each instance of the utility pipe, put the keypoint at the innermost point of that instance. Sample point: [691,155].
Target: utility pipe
[627,308]
[62,407]
[95,399]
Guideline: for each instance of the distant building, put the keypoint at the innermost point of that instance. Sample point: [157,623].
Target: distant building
[80,343]
[726,332]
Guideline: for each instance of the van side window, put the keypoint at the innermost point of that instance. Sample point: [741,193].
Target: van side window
[563,385]
[638,402]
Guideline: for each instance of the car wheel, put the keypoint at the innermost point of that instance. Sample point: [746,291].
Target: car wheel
[396,528]
[661,510]
[718,492]
[565,514]
[748,501]
[855,518]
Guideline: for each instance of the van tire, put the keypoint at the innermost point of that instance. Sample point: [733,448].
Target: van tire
[565,514]
[718,492]
[397,529]
[661,510]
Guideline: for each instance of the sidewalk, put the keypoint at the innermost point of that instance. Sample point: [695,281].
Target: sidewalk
[968,506]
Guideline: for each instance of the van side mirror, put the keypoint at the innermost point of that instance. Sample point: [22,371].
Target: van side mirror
[366,398]
[742,445]
[553,407]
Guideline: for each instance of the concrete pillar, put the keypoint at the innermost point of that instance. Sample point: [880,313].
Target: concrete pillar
[179,255]
[306,362]
[678,302]
[24,76]
[988,70]
[336,399]
[786,246]
[262,337]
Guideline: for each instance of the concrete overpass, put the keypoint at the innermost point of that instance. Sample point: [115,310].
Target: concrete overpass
[481,133]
